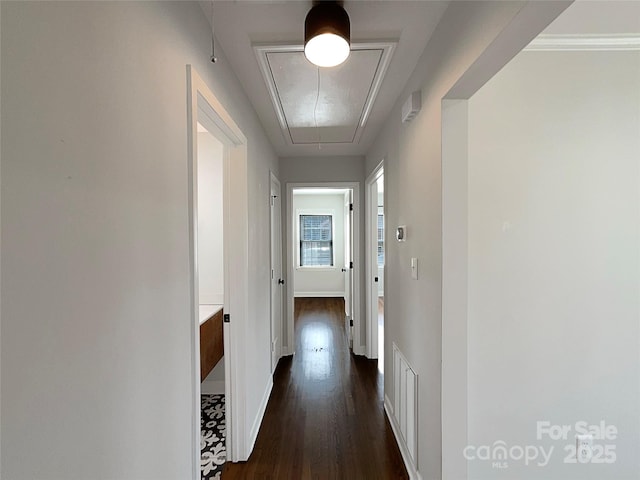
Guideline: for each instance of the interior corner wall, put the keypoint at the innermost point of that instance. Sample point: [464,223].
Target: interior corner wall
[413,196]
[455,138]
[554,261]
[95,306]
[323,170]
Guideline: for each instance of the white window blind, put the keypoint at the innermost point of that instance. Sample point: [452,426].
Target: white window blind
[316,241]
[380,240]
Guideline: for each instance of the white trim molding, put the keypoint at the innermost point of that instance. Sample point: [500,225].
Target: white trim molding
[203,106]
[255,428]
[572,42]
[371,263]
[339,294]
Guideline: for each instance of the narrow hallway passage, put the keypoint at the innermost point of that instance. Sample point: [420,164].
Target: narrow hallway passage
[325,418]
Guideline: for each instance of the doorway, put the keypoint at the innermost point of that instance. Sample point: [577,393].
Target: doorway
[210,271]
[322,249]
[375,239]
[217,184]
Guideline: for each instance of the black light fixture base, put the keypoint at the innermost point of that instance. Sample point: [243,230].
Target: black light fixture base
[327,17]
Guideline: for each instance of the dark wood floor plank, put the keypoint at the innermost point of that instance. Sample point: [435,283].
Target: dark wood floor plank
[325,418]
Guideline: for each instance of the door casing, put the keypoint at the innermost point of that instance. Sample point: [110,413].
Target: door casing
[201,102]
[371,259]
[276,270]
[358,346]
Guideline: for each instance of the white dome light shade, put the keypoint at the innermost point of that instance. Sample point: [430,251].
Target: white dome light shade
[327,33]
[327,50]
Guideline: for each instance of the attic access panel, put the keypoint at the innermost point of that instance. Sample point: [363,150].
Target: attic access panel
[337,111]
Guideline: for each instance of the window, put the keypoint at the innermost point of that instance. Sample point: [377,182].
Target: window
[380,240]
[316,241]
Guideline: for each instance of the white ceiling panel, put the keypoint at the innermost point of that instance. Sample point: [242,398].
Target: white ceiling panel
[240,26]
[322,105]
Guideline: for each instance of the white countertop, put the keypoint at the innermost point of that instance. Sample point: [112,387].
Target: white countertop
[207,311]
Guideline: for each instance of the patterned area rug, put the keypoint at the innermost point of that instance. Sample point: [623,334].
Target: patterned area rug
[212,437]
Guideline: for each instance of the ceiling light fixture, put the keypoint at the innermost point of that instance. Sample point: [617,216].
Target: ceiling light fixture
[327,34]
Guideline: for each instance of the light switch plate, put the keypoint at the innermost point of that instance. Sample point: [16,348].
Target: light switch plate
[414,268]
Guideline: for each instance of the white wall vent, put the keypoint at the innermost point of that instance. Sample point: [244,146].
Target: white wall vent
[405,402]
[412,106]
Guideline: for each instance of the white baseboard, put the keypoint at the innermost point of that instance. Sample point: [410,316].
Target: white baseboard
[388,407]
[212,387]
[253,435]
[359,350]
[339,294]
[404,451]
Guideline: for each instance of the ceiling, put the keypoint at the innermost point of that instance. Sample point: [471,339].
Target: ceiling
[310,111]
[591,25]
[592,17]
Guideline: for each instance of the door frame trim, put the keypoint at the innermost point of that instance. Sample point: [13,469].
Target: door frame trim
[371,239]
[358,347]
[279,329]
[236,243]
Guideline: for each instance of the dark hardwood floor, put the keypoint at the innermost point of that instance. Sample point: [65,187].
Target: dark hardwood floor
[325,418]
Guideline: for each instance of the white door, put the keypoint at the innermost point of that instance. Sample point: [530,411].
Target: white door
[277,280]
[348,265]
[374,277]
[375,269]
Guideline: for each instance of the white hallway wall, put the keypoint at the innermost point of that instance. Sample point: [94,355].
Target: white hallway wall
[464,41]
[210,237]
[554,258]
[311,282]
[210,220]
[95,248]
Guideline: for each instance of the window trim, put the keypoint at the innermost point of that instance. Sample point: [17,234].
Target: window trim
[316,211]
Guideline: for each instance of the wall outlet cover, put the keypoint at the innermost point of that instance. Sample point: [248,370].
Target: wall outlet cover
[584,448]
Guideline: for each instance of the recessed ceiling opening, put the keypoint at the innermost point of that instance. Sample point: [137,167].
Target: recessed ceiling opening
[323,105]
